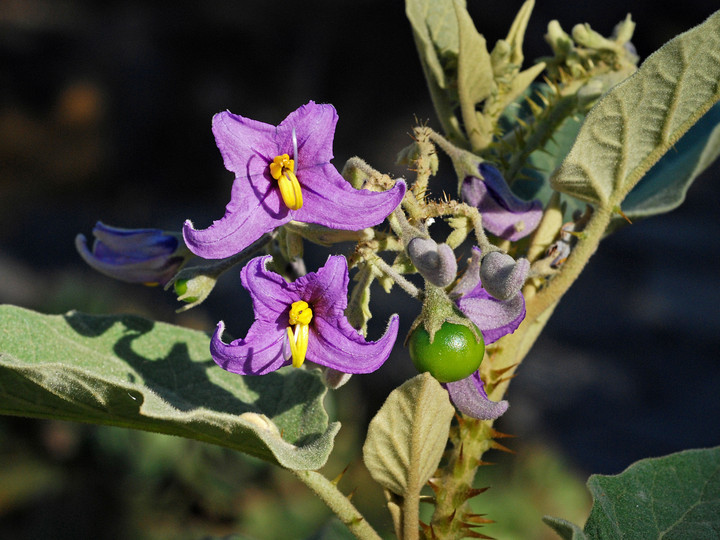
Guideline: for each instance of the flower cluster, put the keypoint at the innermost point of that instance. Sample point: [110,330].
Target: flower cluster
[283,177]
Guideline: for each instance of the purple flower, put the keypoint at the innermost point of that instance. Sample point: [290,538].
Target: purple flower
[284,173]
[503,213]
[148,256]
[495,319]
[299,320]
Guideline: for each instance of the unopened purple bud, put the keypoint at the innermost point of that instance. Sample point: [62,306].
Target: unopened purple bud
[149,256]
[436,262]
[502,276]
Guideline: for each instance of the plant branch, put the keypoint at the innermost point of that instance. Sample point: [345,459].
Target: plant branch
[328,492]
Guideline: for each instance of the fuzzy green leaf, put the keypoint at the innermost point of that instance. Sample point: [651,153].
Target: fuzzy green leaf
[676,496]
[640,119]
[474,77]
[565,529]
[132,372]
[407,437]
[516,34]
[672,497]
[664,187]
[436,34]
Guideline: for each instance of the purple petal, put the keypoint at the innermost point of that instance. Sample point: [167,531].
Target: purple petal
[271,295]
[248,216]
[469,397]
[326,289]
[247,146]
[314,128]
[132,244]
[133,255]
[503,213]
[471,277]
[338,345]
[263,350]
[494,318]
[331,201]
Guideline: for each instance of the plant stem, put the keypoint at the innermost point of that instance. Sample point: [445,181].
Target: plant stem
[474,437]
[411,516]
[338,503]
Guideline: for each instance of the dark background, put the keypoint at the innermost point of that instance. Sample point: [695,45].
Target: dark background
[105,114]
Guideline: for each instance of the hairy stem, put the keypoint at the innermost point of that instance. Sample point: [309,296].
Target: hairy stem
[338,503]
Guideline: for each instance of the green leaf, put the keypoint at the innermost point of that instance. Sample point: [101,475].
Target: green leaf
[132,372]
[664,187]
[407,437]
[435,32]
[640,119]
[672,497]
[676,496]
[516,34]
[565,529]
[435,29]
[474,77]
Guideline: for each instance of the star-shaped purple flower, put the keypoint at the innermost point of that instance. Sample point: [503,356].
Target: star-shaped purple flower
[299,320]
[271,189]
[495,319]
[503,213]
[149,256]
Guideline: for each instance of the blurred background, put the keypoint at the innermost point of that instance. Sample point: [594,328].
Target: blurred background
[105,114]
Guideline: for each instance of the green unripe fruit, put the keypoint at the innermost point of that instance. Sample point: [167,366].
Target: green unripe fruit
[453,355]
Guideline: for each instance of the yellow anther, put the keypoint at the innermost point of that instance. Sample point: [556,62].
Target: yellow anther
[300,316]
[281,169]
[300,313]
[280,165]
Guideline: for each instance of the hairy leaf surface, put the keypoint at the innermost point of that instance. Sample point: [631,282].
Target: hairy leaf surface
[641,118]
[132,372]
[407,437]
[676,496]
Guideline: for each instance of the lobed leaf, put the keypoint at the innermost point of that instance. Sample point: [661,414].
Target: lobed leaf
[676,496]
[132,372]
[407,437]
[641,118]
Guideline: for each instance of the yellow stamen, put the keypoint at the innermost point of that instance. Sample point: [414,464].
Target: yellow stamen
[281,169]
[300,316]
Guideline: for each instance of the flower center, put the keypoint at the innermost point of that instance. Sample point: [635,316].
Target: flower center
[300,316]
[281,169]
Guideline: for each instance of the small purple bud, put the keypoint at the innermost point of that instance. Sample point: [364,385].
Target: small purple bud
[149,256]
[502,276]
[436,262]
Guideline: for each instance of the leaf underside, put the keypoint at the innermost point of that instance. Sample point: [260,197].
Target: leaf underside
[640,119]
